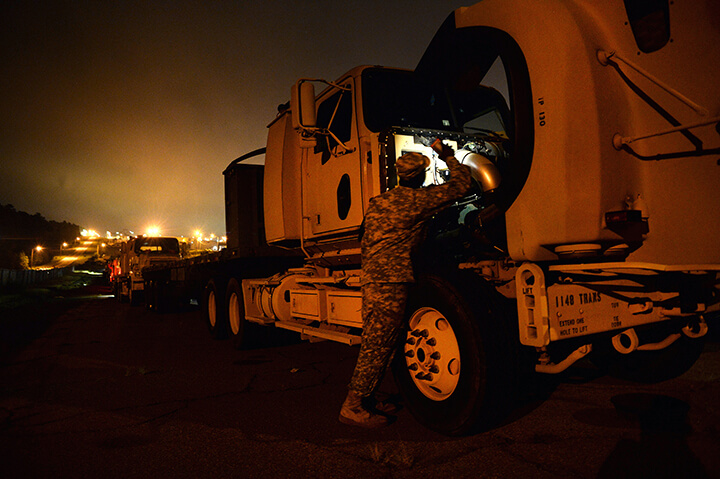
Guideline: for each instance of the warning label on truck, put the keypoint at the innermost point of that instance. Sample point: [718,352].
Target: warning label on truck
[576,310]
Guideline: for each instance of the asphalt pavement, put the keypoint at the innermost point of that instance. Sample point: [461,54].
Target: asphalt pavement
[90,387]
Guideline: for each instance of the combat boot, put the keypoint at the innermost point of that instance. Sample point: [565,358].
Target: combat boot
[382,406]
[354,413]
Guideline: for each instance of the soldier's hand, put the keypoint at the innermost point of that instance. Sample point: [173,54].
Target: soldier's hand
[443,150]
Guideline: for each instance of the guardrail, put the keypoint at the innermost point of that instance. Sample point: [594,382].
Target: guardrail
[29,276]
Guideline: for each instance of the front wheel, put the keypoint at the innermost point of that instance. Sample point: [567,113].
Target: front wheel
[135,296]
[458,365]
[432,354]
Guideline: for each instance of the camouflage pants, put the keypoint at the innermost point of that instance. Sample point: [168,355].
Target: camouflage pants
[383,310]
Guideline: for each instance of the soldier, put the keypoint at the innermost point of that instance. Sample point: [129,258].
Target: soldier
[393,229]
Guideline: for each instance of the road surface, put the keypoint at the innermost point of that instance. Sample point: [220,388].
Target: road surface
[90,387]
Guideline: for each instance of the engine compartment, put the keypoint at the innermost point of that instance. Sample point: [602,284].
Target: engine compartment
[474,227]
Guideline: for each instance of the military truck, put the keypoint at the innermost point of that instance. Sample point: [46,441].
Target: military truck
[136,254]
[592,130]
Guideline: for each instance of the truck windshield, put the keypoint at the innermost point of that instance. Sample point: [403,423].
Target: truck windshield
[157,246]
[402,98]
[399,98]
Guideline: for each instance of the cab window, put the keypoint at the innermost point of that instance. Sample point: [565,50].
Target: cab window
[335,115]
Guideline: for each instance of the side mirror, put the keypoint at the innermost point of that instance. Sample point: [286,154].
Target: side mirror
[302,104]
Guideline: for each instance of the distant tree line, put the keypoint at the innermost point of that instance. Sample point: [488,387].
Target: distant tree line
[20,232]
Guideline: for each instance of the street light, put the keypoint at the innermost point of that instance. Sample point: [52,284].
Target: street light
[38,248]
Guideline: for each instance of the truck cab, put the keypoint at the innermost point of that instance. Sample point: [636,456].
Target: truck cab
[360,124]
[135,255]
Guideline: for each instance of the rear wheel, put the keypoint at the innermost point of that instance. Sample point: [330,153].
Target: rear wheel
[236,313]
[458,366]
[214,312]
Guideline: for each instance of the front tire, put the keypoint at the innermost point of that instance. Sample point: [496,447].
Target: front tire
[458,366]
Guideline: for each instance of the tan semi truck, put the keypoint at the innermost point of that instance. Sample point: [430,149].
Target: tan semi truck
[135,255]
[592,132]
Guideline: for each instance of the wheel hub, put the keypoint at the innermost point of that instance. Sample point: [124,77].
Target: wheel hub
[432,354]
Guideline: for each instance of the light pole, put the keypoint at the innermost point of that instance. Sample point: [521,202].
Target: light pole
[38,248]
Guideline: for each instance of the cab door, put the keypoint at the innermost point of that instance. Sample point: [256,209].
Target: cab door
[332,184]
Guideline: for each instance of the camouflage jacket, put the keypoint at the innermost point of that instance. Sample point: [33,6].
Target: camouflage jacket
[394,225]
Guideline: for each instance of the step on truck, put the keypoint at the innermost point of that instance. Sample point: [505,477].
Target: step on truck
[592,130]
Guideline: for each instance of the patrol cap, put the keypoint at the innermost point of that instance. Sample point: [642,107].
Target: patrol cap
[411,165]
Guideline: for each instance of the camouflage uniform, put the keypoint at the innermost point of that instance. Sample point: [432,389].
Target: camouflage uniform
[393,229]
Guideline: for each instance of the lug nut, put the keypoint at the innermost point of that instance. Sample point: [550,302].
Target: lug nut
[410,353]
[424,333]
[413,367]
[410,341]
[431,342]
[434,369]
[435,355]
[424,376]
